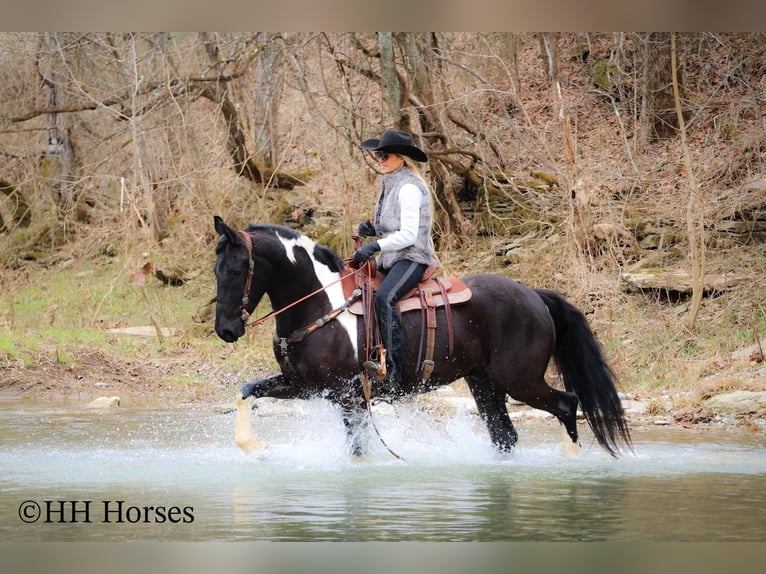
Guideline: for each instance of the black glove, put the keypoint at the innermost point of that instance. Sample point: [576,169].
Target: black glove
[366,229]
[365,252]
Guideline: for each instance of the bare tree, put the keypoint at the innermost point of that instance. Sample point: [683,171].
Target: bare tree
[391,83]
[657,114]
[423,69]
[51,67]
[267,89]
[695,227]
[247,164]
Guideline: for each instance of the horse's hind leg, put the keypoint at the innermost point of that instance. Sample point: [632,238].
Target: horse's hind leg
[561,404]
[567,412]
[492,410]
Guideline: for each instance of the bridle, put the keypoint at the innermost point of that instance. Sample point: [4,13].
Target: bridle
[250,273]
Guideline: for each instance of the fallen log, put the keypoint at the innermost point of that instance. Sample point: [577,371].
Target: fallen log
[680,281]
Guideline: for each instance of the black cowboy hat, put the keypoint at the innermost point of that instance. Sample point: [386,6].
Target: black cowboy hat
[395,141]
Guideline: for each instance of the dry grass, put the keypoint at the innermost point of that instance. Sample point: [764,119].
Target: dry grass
[629,191]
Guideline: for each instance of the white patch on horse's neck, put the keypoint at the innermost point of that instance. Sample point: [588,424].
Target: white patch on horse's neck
[322,271]
[290,243]
[326,277]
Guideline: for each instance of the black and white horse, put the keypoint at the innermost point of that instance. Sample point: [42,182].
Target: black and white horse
[504,338]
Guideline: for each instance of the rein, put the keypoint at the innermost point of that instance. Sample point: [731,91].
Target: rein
[261,320]
[249,281]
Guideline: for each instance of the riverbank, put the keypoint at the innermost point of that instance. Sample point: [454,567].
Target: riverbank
[734,397]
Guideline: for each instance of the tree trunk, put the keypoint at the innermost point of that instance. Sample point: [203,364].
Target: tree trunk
[61,152]
[549,46]
[420,65]
[267,95]
[695,226]
[393,91]
[658,114]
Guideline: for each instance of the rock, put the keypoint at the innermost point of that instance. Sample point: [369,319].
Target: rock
[519,255]
[738,402]
[224,408]
[750,353]
[634,407]
[530,413]
[104,403]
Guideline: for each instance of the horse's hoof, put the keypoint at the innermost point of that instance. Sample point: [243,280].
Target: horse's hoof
[249,389]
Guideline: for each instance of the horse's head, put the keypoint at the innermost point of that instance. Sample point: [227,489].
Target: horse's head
[274,260]
[239,289]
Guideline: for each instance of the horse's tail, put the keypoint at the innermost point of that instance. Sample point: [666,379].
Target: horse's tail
[586,373]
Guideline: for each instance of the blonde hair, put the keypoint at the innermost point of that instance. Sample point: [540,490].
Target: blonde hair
[414,168]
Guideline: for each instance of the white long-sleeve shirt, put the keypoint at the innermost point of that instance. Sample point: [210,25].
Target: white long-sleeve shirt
[410,198]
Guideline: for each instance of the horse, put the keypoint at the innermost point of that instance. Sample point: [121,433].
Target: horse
[504,338]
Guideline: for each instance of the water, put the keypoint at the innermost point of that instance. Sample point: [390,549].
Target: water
[137,473]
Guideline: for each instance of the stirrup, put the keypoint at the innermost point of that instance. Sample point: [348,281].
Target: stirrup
[376,371]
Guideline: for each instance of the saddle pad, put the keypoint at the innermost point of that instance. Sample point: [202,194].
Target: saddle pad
[457,292]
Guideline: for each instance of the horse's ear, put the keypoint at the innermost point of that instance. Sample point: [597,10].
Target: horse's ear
[223,229]
[220,226]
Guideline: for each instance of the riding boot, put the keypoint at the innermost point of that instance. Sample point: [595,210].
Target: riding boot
[376,370]
[400,278]
[393,334]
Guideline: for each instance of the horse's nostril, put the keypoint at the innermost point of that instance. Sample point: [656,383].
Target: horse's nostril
[228,336]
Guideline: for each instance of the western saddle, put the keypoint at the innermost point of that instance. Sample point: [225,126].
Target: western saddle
[427,296]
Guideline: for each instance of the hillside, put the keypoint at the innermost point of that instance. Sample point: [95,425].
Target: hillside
[576,204]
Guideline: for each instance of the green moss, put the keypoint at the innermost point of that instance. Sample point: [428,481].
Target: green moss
[604,73]
[546,178]
[690,348]
[8,347]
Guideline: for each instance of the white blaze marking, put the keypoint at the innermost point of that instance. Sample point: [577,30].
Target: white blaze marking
[325,276]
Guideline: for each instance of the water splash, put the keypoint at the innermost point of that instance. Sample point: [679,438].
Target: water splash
[304,485]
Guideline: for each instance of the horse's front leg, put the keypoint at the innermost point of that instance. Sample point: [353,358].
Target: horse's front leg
[356,420]
[276,386]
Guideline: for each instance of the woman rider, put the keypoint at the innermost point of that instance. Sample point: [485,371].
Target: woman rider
[403,222]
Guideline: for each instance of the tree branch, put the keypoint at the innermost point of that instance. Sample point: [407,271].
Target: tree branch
[174,88]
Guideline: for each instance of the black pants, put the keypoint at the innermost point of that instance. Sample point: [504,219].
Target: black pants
[400,278]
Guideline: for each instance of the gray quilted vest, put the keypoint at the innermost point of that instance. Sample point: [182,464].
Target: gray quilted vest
[387,217]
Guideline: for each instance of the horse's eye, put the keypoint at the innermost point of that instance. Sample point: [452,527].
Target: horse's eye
[235,272]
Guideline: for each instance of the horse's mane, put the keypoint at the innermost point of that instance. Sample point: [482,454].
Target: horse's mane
[322,253]
[326,255]
[274,228]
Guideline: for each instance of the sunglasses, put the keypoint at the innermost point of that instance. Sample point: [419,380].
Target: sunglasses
[381,155]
